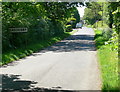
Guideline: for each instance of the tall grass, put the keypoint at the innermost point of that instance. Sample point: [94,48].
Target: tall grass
[108,61]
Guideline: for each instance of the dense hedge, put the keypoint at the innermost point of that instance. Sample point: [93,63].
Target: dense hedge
[43,20]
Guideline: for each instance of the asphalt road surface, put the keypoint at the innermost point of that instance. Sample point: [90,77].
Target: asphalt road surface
[70,64]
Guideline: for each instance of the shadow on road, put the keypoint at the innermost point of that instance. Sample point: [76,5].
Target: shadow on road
[73,43]
[12,83]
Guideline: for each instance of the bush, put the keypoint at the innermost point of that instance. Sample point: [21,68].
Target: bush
[100,24]
[113,41]
[68,28]
[107,33]
[103,36]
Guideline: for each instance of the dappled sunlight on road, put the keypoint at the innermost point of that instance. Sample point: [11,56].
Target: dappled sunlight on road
[69,66]
[83,40]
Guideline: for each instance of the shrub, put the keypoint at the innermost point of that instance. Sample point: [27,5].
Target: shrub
[114,41]
[107,33]
[100,24]
[68,28]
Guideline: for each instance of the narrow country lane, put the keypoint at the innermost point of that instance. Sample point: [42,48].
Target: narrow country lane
[70,64]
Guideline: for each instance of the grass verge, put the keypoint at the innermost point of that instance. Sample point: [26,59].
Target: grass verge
[19,53]
[108,61]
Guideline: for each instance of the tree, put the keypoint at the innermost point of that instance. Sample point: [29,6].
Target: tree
[92,13]
[43,20]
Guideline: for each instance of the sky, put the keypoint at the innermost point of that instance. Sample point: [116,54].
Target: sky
[81,11]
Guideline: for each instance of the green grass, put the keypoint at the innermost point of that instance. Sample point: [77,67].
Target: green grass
[108,61]
[19,53]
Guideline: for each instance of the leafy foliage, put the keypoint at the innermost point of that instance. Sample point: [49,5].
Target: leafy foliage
[92,13]
[43,20]
[69,28]
[16,54]
[108,62]
[107,41]
[109,17]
